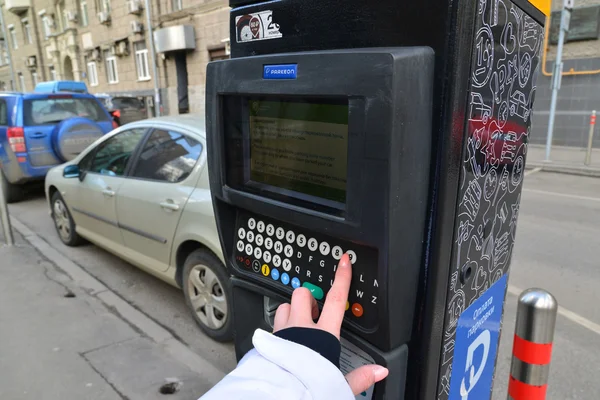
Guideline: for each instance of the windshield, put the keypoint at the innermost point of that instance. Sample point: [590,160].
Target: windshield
[52,111]
[127,102]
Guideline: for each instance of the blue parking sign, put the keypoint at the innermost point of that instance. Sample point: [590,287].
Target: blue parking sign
[477,335]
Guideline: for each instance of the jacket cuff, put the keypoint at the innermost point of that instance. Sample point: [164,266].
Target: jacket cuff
[324,343]
[321,378]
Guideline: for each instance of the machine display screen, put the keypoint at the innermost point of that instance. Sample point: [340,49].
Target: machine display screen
[299,148]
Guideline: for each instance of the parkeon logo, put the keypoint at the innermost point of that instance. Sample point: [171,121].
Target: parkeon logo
[283,71]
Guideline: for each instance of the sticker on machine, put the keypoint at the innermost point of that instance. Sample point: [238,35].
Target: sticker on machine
[256,26]
[477,335]
[351,358]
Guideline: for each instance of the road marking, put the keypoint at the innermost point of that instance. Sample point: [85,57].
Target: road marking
[570,196]
[568,314]
[533,171]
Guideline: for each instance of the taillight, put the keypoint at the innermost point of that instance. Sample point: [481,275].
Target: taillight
[114,124]
[16,139]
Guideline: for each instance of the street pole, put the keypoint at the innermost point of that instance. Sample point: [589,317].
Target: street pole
[8,55]
[588,154]
[5,219]
[153,56]
[565,21]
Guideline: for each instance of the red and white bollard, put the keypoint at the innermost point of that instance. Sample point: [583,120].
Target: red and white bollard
[532,348]
[588,154]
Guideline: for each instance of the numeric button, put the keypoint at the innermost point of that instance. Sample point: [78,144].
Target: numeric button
[289,251]
[251,223]
[280,233]
[290,236]
[312,244]
[270,230]
[352,256]
[324,248]
[301,240]
[240,245]
[259,240]
[337,252]
[260,226]
[250,236]
[242,233]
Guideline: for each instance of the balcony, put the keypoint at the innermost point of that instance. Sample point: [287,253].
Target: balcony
[17,6]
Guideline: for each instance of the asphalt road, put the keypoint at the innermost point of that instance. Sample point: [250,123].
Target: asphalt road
[558,248]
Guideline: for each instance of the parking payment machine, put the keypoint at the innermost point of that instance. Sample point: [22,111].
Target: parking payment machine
[394,132]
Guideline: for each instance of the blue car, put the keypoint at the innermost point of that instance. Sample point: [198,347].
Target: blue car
[41,130]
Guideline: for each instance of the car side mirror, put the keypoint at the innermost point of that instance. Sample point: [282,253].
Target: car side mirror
[72,171]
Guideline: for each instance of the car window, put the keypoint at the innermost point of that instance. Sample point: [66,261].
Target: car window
[3,113]
[167,156]
[111,157]
[54,110]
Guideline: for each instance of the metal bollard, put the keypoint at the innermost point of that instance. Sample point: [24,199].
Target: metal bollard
[532,348]
[4,218]
[588,154]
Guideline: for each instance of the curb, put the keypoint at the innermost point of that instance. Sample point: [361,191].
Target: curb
[174,347]
[565,169]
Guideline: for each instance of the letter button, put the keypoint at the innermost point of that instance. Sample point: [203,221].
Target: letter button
[250,237]
[249,249]
[242,233]
[316,291]
[289,251]
[257,253]
[259,240]
[240,245]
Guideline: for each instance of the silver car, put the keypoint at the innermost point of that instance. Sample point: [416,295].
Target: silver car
[142,193]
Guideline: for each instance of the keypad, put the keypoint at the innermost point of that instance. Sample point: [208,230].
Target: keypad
[290,257]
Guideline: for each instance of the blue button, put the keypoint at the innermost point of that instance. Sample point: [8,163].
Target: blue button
[275,274]
[285,278]
[295,283]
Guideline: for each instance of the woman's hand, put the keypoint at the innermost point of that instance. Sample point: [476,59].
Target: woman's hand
[303,310]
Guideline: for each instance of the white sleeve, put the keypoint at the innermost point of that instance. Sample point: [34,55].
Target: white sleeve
[279,369]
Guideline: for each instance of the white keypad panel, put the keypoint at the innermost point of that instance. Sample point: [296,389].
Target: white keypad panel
[293,257]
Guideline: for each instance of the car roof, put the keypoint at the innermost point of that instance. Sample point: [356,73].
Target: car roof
[191,122]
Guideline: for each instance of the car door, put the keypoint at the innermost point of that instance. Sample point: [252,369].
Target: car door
[95,197]
[150,205]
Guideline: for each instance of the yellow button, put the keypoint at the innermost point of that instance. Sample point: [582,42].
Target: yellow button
[266,270]
[347,305]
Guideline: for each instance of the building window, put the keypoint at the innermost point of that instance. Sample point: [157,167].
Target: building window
[93,73]
[84,13]
[112,74]
[61,16]
[176,5]
[47,26]
[141,60]
[104,5]
[22,82]
[27,31]
[13,37]
[5,52]
[52,72]
[34,78]
[219,53]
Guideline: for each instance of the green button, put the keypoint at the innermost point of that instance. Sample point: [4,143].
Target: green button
[316,291]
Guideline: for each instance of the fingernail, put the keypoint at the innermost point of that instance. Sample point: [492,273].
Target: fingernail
[380,373]
[345,261]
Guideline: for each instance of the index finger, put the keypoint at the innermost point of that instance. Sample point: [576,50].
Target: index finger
[335,304]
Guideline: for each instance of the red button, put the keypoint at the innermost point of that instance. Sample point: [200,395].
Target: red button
[357,310]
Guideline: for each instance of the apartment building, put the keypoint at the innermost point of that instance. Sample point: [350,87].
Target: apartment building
[106,43]
[580,87]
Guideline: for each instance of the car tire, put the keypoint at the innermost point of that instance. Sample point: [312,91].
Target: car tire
[207,292]
[12,193]
[63,221]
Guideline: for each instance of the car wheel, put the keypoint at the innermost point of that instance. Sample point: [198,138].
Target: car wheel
[63,222]
[12,193]
[207,292]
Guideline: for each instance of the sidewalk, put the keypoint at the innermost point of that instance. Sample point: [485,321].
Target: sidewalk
[59,341]
[568,160]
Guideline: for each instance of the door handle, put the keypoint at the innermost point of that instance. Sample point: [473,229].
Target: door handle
[38,135]
[169,205]
[108,192]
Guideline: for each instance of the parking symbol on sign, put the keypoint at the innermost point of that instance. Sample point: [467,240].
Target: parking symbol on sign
[477,335]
